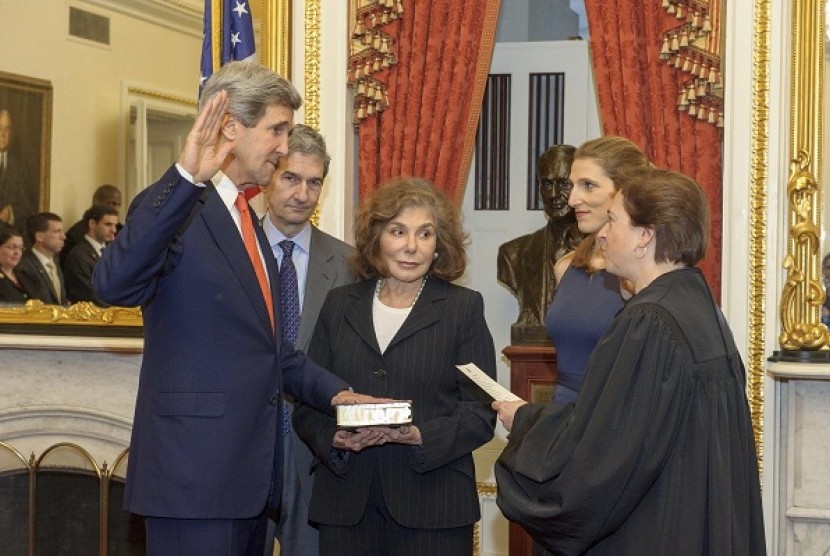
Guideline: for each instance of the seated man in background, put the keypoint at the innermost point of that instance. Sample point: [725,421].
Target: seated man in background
[79,263]
[108,195]
[39,271]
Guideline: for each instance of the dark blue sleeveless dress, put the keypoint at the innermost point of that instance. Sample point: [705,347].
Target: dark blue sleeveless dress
[581,311]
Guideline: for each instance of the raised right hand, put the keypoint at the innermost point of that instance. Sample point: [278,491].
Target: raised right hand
[205,148]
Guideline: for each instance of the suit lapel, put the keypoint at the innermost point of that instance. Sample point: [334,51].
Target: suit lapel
[221,226]
[319,279]
[359,313]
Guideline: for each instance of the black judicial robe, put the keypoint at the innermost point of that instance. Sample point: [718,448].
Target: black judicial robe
[657,455]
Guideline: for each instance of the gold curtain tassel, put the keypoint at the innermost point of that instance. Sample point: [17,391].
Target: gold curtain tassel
[686,64]
[713,75]
[682,103]
[376,65]
[671,9]
[678,62]
[701,89]
[665,4]
[370,109]
[664,51]
[361,87]
[692,109]
[712,117]
[684,39]
[707,25]
[701,114]
[376,42]
[384,47]
[720,119]
[703,72]
[675,45]
[691,94]
[679,14]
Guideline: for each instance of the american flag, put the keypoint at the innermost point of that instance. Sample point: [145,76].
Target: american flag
[228,35]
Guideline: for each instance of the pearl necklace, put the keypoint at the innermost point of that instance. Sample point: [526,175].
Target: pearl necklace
[379,287]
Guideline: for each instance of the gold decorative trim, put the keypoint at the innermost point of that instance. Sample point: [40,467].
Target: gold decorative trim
[192,102]
[483,489]
[312,63]
[803,291]
[83,313]
[756,350]
[275,36]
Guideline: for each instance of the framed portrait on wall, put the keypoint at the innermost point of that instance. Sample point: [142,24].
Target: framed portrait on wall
[25,147]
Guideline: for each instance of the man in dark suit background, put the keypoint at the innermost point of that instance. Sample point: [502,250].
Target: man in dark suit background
[39,271]
[206,451]
[18,189]
[81,260]
[107,195]
[320,263]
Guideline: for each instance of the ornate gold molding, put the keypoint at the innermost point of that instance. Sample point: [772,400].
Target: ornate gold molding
[312,63]
[803,291]
[275,36]
[483,489]
[150,93]
[83,313]
[756,350]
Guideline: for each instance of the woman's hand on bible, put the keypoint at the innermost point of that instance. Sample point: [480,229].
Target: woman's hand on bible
[357,440]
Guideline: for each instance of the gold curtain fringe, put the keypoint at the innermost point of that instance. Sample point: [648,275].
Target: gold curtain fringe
[372,52]
[701,100]
[693,48]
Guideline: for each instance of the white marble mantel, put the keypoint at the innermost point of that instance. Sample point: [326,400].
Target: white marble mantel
[801,445]
[77,390]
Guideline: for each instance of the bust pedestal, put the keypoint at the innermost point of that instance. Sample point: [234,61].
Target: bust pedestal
[532,376]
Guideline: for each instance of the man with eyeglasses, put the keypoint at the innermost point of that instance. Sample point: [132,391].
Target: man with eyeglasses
[317,265]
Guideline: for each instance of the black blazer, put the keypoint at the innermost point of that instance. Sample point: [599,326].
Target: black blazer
[35,279]
[77,273]
[10,293]
[432,486]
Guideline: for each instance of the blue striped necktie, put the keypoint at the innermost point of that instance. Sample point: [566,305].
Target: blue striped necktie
[290,305]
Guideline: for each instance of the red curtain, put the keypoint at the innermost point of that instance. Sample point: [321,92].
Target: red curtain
[444,48]
[638,96]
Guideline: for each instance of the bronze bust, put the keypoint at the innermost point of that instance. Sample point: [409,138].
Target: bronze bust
[525,264]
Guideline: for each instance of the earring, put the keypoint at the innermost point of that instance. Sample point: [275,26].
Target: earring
[638,254]
[435,256]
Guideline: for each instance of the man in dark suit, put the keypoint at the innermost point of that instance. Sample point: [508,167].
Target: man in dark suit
[320,263]
[39,272]
[18,189]
[81,260]
[206,451]
[107,195]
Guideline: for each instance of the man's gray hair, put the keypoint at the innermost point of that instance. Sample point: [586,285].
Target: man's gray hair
[306,140]
[251,89]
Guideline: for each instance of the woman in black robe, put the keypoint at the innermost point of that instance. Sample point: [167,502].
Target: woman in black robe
[657,454]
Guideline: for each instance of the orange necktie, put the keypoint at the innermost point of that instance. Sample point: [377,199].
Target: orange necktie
[249,237]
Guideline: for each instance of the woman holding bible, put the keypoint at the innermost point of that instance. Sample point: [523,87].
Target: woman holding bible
[657,454]
[399,334]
